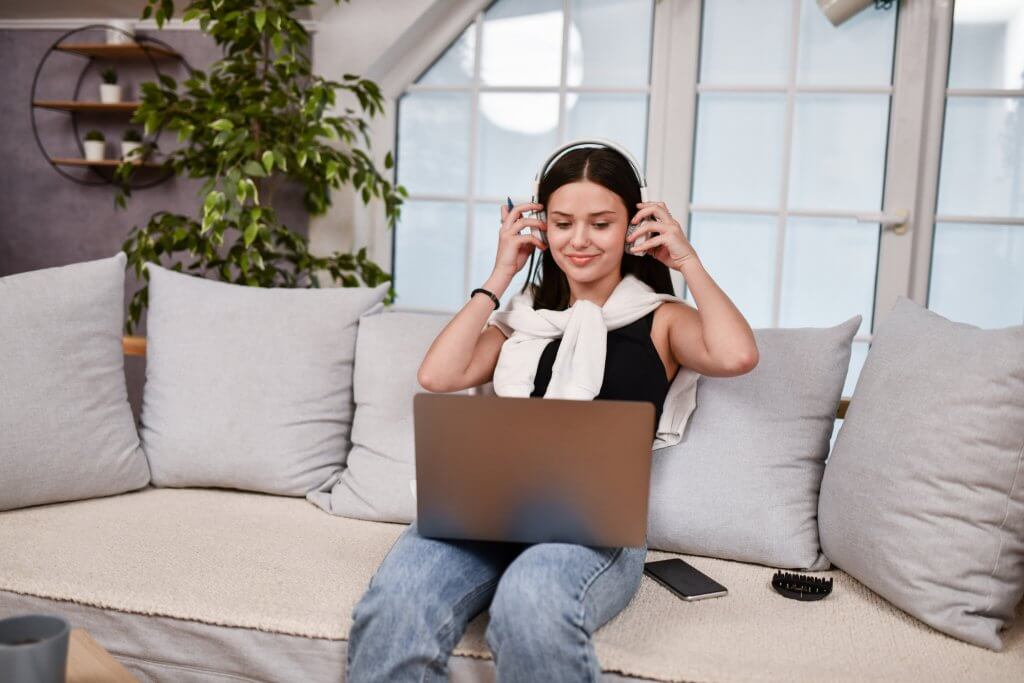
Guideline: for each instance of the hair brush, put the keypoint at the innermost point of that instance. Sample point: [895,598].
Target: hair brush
[801,587]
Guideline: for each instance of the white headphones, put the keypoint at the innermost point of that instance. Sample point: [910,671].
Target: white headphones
[589,142]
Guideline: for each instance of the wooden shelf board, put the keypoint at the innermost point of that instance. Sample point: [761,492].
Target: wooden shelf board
[80,105]
[70,161]
[128,51]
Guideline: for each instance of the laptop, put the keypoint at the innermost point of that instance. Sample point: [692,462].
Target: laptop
[533,470]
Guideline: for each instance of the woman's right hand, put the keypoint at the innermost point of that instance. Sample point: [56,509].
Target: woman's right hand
[513,248]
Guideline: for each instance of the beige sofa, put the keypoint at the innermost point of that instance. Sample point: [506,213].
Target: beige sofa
[217,585]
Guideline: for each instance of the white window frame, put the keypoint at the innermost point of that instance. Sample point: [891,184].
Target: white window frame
[917,106]
[399,80]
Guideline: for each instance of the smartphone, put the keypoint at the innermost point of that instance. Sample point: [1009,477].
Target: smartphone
[683,579]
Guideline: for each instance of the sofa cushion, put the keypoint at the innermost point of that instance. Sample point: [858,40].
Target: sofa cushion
[375,482]
[279,565]
[248,387]
[743,482]
[923,497]
[66,427]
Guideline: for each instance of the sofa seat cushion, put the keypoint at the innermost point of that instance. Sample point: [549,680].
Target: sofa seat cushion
[280,565]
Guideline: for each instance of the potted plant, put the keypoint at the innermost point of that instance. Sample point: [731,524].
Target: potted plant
[95,145]
[255,121]
[131,145]
[110,91]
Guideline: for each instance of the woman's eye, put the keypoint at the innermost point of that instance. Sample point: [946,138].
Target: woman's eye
[601,225]
[561,225]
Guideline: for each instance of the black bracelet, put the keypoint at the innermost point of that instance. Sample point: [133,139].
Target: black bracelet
[481,289]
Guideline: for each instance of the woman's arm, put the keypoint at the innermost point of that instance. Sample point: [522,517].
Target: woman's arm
[462,356]
[715,339]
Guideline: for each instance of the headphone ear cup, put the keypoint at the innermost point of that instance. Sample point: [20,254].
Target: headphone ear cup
[542,235]
[630,229]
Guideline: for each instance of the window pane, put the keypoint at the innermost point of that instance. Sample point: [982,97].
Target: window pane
[739,149]
[988,45]
[516,131]
[977,274]
[430,246]
[597,53]
[522,43]
[746,41]
[433,142]
[859,52]
[487,221]
[838,160]
[622,118]
[455,66]
[738,251]
[982,172]
[828,272]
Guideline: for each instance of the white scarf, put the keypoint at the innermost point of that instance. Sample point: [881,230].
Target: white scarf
[578,369]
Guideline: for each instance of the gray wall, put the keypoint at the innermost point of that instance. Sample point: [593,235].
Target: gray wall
[48,220]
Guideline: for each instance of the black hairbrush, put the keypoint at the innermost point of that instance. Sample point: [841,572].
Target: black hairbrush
[801,587]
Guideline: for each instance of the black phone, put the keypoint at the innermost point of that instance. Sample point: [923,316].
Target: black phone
[683,579]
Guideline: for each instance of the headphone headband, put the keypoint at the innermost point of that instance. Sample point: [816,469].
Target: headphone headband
[591,142]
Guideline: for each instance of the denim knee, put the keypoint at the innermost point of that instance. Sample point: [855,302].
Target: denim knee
[535,615]
[398,634]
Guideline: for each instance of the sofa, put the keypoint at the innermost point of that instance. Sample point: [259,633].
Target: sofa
[189,571]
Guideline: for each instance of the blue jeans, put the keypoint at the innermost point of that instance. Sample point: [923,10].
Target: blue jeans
[546,600]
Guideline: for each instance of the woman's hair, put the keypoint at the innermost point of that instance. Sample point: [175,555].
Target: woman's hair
[610,169]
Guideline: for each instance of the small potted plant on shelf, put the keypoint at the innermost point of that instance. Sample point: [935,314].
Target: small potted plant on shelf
[95,145]
[131,145]
[110,91]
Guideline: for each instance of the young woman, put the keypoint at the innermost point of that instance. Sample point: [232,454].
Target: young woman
[546,600]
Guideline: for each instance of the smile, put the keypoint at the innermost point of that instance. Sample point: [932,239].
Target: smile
[582,260]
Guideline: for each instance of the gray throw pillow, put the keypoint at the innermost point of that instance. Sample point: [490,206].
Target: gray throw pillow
[66,428]
[922,500]
[743,482]
[248,387]
[375,482]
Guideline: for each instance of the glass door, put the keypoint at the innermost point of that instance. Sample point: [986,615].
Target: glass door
[789,162]
[976,269]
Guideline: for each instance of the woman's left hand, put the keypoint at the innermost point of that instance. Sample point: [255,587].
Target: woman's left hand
[670,245]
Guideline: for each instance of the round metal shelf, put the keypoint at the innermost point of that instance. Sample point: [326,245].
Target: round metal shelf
[101,172]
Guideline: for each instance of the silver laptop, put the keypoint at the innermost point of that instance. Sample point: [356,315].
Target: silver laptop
[533,470]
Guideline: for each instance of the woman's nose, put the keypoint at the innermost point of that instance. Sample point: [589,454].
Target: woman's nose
[580,237]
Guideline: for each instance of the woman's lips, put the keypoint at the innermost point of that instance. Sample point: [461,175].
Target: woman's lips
[582,261]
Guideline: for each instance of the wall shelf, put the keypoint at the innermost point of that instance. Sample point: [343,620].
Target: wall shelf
[81,105]
[125,51]
[96,55]
[72,161]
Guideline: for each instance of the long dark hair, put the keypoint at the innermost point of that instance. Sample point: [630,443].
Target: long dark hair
[607,167]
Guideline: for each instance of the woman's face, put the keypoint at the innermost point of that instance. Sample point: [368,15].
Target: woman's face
[585,218]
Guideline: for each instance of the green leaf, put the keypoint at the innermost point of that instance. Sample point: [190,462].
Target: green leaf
[253,168]
[277,42]
[388,161]
[268,161]
[250,233]
[152,122]
[222,124]
[260,19]
[300,158]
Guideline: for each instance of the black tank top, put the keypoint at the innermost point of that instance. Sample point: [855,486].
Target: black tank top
[633,370]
